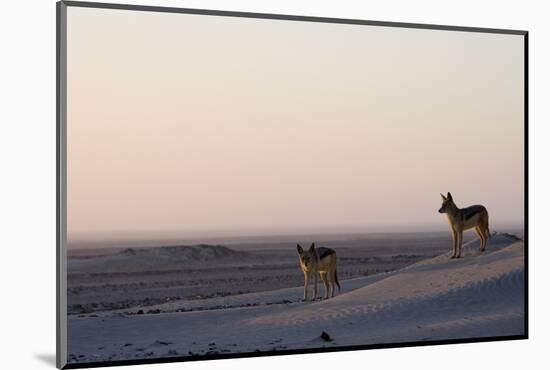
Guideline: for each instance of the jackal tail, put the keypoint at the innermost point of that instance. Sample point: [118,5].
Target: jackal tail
[336,279]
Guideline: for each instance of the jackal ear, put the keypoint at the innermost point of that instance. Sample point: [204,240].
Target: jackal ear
[449,196]
[299,248]
[443,197]
[312,247]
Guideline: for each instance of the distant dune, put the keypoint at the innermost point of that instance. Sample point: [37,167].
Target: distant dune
[201,252]
[480,295]
[153,258]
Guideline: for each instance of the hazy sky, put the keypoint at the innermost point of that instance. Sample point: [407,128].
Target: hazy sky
[188,124]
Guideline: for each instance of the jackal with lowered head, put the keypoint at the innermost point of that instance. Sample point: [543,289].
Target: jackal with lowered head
[461,219]
[320,261]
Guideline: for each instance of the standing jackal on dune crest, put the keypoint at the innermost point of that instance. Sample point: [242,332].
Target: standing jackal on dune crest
[461,219]
[320,261]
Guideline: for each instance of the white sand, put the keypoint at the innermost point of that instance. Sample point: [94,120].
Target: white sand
[479,295]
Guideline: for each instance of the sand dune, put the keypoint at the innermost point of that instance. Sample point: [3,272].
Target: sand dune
[479,295]
[183,278]
[159,258]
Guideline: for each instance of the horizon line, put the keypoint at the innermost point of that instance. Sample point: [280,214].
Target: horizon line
[244,233]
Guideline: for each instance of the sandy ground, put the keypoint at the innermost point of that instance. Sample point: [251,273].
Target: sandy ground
[102,280]
[479,295]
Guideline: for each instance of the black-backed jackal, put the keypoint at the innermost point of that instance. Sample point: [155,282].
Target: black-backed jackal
[461,219]
[320,261]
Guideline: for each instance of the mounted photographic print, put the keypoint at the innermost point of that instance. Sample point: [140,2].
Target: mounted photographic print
[238,184]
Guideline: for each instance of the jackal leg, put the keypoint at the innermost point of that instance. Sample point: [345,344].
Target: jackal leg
[459,243]
[455,239]
[325,279]
[332,281]
[306,282]
[482,238]
[484,228]
[316,287]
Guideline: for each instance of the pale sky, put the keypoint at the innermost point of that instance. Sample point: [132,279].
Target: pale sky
[195,124]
